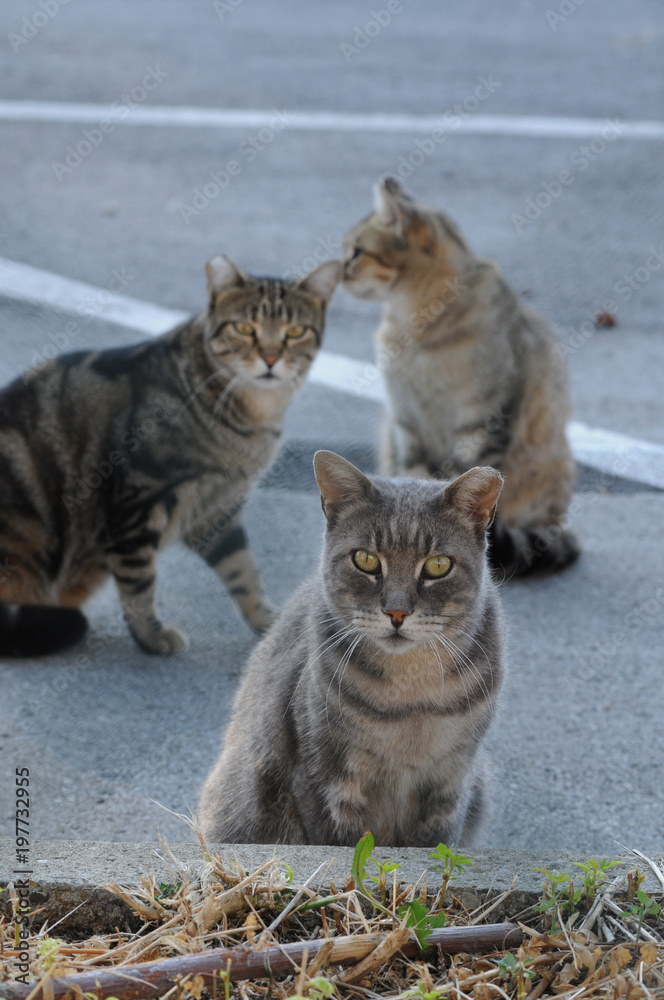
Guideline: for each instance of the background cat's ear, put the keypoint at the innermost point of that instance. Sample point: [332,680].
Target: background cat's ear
[339,482]
[476,494]
[322,282]
[395,207]
[390,198]
[222,274]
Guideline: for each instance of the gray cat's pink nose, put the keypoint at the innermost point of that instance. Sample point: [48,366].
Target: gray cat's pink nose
[397,617]
[270,359]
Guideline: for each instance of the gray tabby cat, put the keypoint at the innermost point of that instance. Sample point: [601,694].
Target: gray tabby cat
[474,377]
[108,456]
[365,706]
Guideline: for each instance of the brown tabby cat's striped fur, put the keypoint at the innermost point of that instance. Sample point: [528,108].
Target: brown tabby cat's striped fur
[107,456]
[365,706]
[473,375]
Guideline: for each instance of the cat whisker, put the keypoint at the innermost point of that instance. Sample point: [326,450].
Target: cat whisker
[352,632]
[472,638]
[334,640]
[344,667]
[466,665]
[432,646]
[226,396]
[194,392]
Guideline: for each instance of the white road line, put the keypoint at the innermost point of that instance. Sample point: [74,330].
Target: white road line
[30,284]
[607,451]
[618,454]
[529,126]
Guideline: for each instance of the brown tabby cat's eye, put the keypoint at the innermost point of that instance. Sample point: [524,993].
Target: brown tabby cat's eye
[246,329]
[295,332]
[368,562]
[437,566]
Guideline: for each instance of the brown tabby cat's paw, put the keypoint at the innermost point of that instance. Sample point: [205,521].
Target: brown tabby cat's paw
[165,641]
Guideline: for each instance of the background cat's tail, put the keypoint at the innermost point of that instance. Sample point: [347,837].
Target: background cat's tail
[35,629]
[523,551]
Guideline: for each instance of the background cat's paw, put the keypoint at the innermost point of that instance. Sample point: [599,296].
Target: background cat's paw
[262,617]
[168,641]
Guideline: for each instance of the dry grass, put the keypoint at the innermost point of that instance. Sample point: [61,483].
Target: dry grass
[595,952]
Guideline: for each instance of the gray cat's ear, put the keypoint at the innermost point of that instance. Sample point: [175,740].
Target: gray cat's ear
[476,494]
[222,274]
[322,282]
[339,482]
[395,207]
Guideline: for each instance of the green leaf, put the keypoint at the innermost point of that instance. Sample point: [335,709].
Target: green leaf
[321,986]
[358,869]
[450,858]
[421,920]
[507,964]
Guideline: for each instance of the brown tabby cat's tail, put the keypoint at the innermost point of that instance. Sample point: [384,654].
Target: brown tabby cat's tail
[35,629]
[524,551]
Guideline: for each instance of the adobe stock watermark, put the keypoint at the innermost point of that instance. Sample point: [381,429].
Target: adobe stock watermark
[223,7]
[641,615]
[364,34]
[247,151]
[419,320]
[624,289]
[579,160]
[89,309]
[31,26]
[451,120]
[130,440]
[121,108]
[565,10]
[324,248]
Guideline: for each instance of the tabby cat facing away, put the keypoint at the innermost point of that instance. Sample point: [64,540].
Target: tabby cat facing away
[473,375]
[365,706]
[107,456]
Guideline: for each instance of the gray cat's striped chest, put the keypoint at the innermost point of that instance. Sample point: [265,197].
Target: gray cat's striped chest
[397,775]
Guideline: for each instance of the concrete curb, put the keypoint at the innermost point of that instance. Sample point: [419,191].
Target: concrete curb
[66,875]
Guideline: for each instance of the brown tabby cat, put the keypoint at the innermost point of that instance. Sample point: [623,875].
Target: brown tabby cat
[365,706]
[108,456]
[473,375]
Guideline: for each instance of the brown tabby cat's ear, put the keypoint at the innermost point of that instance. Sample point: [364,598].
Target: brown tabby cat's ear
[395,207]
[339,482]
[322,282]
[476,494]
[222,274]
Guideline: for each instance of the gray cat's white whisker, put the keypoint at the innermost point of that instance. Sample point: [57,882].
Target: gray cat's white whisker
[350,634]
[341,670]
[432,646]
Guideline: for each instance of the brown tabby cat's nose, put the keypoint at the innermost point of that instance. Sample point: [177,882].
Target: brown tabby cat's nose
[397,617]
[270,359]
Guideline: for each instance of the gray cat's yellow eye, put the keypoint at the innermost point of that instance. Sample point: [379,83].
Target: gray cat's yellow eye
[295,332]
[437,566]
[366,561]
[246,329]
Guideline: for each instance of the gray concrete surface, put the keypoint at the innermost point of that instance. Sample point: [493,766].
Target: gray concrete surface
[68,875]
[578,747]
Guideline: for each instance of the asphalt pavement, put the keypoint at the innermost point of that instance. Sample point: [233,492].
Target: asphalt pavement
[112,735]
